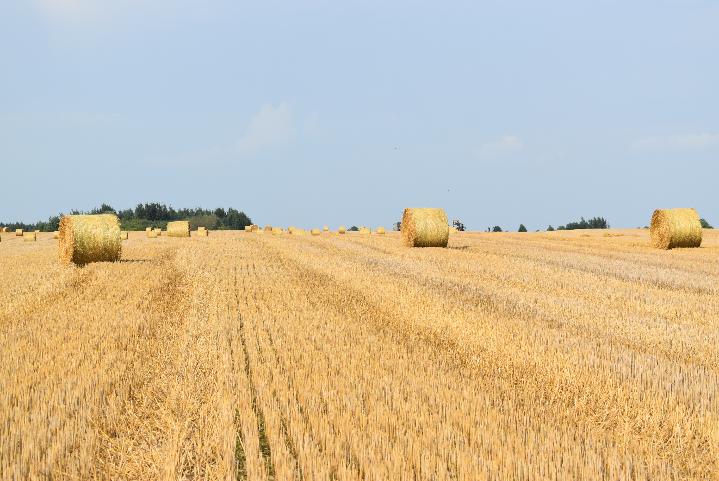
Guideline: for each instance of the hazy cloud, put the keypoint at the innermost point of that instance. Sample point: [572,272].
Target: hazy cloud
[701,141]
[505,145]
[270,127]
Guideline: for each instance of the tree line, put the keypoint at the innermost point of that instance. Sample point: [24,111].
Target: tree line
[151,215]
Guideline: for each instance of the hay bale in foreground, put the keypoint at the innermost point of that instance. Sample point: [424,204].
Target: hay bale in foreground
[342,230]
[425,227]
[675,228]
[178,228]
[18,232]
[315,232]
[29,236]
[89,238]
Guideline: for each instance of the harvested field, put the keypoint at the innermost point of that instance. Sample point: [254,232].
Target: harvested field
[563,355]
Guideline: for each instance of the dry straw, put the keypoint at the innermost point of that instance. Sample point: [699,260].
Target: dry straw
[202,232]
[157,231]
[425,227]
[29,236]
[342,230]
[254,228]
[364,231]
[325,228]
[277,230]
[248,228]
[268,228]
[18,232]
[89,238]
[315,232]
[152,234]
[380,230]
[676,228]
[178,228]
[123,235]
[56,235]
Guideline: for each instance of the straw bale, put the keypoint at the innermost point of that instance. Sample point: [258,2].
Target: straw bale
[18,232]
[178,228]
[315,232]
[672,228]
[89,238]
[123,235]
[29,236]
[425,227]
[364,230]
[342,229]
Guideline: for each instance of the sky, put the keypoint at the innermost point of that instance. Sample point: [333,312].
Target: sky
[323,112]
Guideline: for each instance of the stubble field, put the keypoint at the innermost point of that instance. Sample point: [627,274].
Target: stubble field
[566,355]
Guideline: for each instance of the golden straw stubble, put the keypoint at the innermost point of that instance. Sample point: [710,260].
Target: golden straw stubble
[178,228]
[89,238]
[425,227]
[672,228]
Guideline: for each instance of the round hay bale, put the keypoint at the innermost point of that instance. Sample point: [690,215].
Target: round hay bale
[56,235]
[342,230]
[157,231]
[248,228]
[254,228]
[3,229]
[675,228]
[178,228]
[277,230]
[89,238]
[29,236]
[123,235]
[152,234]
[325,228]
[364,231]
[18,232]
[425,227]
[202,232]
[380,230]
[268,228]
[315,232]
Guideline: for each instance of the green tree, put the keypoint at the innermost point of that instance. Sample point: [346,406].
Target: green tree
[522,228]
[705,224]
[550,229]
[496,228]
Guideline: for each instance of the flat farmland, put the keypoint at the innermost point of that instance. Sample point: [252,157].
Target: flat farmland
[564,355]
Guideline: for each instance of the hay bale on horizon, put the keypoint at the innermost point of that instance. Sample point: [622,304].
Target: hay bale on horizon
[277,231]
[124,235]
[380,230]
[152,234]
[178,228]
[325,228]
[425,227]
[89,238]
[18,232]
[29,236]
[364,230]
[158,231]
[268,228]
[342,230]
[672,228]
[315,232]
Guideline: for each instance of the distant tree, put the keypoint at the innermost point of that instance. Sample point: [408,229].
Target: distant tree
[522,228]
[457,224]
[496,228]
[397,226]
[550,229]
[593,223]
[354,228]
[705,224]
[220,213]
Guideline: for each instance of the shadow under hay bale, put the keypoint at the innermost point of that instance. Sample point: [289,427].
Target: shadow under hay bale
[672,228]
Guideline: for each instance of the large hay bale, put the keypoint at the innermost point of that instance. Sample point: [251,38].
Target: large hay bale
[315,232]
[675,228]
[425,227]
[18,232]
[342,230]
[29,236]
[380,230]
[89,238]
[178,228]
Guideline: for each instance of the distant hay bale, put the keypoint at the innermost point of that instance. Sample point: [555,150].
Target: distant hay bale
[315,232]
[123,235]
[268,228]
[89,238]
[425,227]
[254,228]
[248,228]
[18,232]
[364,231]
[325,228]
[178,228]
[37,231]
[202,232]
[277,230]
[3,229]
[148,229]
[157,231]
[380,230]
[56,235]
[342,230]
[675,228]
[29,236]
[152,234]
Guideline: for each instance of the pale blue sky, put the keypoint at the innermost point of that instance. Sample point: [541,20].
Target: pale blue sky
[334,112]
